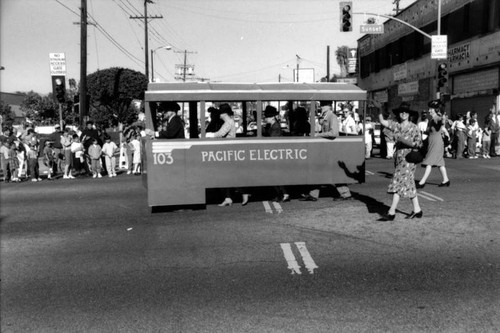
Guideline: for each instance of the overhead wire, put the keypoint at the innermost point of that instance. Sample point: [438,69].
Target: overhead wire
[95,38]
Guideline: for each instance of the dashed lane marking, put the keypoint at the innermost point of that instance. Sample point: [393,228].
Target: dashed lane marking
[293,265]
[306,257]
[369,173]
[267,207]
[425,197]
[432,196]
[277,206]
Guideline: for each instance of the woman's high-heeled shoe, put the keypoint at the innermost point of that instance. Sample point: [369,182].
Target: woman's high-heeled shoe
[245,199]
[417,185]
[226,202]
[447,184]
[388,217]
[415,215]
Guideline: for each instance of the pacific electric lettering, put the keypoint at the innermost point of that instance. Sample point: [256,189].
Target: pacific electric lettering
[253,155]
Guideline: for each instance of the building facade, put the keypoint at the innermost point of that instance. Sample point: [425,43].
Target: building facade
[396,66]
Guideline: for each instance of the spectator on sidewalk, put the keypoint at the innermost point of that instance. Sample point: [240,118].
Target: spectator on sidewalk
[136,158]
[77,155]
[13,162]
[66,140]
[33,166]
[57,147]
[95,153]
[4,158]
[108,150]
[471,132]
[486,138]
[495,130]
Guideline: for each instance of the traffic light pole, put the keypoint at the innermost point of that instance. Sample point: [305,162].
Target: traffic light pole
[61,115]
[398,20]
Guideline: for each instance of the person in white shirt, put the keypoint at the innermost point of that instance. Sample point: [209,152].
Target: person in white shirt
[349,125]
[368,137]
[459,129]
[108,150]
[423,124]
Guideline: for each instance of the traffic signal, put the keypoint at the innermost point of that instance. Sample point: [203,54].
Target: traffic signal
[59,88]
[345,16]
[442,76]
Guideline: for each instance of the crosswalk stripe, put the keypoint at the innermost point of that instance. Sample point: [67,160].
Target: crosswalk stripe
[306,257]
[293,265]
[267,207]
[277,206]
[432,196]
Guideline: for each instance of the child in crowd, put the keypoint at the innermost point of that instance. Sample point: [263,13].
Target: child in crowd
[108,149]
[48,158]
[472,138]
[13,162]
[4,157]
[95,153]
[77,153]
[486,141]
[33,167]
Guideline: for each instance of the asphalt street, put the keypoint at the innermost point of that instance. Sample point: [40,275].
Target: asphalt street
[88,255]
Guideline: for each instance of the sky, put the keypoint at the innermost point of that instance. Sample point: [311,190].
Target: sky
[225,40]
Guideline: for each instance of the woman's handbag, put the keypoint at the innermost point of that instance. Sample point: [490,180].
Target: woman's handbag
[415,157]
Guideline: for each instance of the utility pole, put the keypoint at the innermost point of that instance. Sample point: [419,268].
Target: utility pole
[185,66]
[298,61]
[328,63]
[146,47]
[83,61]
[396,2]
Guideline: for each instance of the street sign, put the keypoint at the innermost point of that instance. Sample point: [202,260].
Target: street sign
[57,64]
[352,61]
[371,29]
[439,47]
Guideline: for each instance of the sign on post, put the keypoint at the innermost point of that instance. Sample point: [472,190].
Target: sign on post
[439,47]
[57,64]
[371,29]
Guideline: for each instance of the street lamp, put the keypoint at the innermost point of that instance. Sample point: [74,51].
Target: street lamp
[167,47]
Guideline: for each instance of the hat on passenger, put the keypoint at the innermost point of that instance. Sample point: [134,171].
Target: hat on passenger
[226,108]
[435,104]
[405,107]
[169,106]
[270,111]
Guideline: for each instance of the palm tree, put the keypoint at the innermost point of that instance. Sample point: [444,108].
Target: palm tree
[342,53]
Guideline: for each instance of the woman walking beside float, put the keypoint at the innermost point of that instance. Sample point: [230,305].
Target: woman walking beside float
[407,137]
[435,150]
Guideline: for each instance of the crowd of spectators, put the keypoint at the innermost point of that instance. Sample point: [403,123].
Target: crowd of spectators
[66,153]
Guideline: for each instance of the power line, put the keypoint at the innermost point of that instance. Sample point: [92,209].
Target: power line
[107,35]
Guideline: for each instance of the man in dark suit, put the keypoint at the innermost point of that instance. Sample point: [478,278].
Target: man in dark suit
[173,125]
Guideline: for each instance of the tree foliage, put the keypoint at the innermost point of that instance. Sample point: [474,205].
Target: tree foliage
[6,113]
[341,54]
[111,93]
[40,109]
